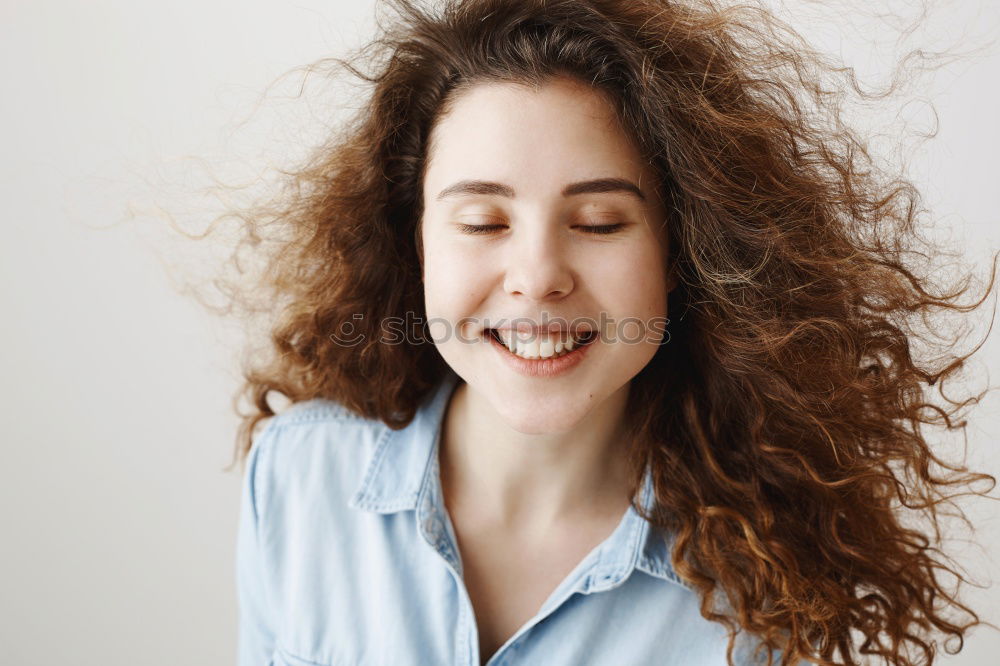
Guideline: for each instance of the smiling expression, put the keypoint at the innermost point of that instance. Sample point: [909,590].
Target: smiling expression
[537,207]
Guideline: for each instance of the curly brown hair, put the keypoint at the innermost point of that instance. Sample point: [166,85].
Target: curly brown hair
[783,421]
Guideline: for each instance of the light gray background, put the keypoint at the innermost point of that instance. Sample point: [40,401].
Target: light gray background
[118,523]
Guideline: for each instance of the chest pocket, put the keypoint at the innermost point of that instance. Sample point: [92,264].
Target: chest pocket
[282,658]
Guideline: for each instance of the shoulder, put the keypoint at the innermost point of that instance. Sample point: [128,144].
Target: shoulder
[312,424]
[314,446]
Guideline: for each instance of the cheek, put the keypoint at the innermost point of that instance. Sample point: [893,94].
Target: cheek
[632,281]
[450,278]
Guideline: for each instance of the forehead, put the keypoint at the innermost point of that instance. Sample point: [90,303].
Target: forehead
[561,130]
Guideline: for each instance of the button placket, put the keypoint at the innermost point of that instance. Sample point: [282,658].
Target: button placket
[435,527]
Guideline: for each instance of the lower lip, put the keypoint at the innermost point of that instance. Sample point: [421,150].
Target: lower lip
[542,367]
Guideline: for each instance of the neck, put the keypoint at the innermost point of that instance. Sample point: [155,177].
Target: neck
[531,483]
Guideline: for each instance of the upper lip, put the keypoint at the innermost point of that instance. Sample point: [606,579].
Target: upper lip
[534,329]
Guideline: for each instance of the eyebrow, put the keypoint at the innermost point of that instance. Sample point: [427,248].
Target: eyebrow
[595,186]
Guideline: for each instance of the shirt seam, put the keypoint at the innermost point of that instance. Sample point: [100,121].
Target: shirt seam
[314,413]
[667,575]
[261,491]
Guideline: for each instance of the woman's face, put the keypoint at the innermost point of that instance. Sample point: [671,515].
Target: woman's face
[540,166]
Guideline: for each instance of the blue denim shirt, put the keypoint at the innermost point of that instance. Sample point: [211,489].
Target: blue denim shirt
[346,556]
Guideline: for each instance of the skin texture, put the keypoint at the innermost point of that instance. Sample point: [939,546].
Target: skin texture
[542,445]
[529,465]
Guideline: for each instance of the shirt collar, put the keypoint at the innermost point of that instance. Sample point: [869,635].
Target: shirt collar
[403,472]
[398,470]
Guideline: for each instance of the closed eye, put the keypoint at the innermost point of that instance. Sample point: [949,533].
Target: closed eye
[479,228]
[589,228]
[603,228]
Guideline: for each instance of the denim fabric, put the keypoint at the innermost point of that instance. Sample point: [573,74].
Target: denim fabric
[346,556]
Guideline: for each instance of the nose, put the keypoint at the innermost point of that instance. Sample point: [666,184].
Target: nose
[537,267]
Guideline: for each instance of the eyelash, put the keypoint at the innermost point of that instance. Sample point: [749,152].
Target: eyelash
[599,229]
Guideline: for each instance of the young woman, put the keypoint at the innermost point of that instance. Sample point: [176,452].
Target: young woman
[598,345]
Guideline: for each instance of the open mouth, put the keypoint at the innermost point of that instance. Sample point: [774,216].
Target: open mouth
[541,348]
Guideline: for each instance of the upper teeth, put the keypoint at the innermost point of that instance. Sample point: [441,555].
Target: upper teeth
[542,345]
